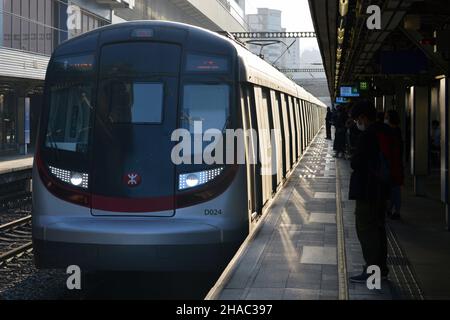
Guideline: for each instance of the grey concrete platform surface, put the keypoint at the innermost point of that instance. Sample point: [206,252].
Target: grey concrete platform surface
[294,255]
[13,164]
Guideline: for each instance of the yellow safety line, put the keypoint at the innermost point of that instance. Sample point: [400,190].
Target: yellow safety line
[342,260]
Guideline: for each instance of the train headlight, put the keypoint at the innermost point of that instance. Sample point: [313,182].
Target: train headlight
[192,180]
[195,179]
[76,179]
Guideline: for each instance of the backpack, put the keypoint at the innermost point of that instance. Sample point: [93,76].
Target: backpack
[388,168]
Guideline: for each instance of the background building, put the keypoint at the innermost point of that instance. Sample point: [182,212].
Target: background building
[31,29]
[277,54]
[293,58]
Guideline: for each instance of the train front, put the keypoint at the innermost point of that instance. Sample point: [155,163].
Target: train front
[112,186]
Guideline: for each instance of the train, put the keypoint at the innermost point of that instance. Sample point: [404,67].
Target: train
[107,194]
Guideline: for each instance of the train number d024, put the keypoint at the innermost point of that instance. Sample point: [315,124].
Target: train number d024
[213,212]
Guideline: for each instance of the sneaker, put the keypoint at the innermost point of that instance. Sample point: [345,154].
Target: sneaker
[362,278]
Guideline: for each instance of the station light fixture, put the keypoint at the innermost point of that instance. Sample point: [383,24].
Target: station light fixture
[343,7]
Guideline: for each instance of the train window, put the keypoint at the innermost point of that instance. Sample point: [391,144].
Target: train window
[135,102]
[69,119]
[207,104]
[203,63]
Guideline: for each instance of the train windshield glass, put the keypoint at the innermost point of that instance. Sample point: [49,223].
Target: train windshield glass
[70,102]
[135,102]
[208,105]
[69,118]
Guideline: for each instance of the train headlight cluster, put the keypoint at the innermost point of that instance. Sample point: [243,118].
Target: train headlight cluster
[192,180]
[74,178]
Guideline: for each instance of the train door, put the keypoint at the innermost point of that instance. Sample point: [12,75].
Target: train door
[308,120]
[265,147]
[250,125]
[133,173]
[283,133]
[287,134]
[277,149]
[299,128]
[293,131]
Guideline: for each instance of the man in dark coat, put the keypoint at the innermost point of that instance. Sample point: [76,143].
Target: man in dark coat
[328,121]
[369,190]
[341,132]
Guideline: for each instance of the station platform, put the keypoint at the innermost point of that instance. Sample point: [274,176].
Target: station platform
[306,247]
[15,177]
[15,163]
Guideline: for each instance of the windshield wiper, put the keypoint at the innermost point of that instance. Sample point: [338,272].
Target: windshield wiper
[54,146]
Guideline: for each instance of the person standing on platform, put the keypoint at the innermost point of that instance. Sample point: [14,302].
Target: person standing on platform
[328,121]
[369,186]
[435,144]
[341,132]
[397,169]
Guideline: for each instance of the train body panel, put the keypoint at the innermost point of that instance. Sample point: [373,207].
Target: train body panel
[67,234]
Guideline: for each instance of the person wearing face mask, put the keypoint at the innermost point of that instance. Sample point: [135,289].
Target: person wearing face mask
[370,189]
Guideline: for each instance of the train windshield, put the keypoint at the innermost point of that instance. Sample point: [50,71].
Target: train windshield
[70,104]
[69,118]
[135,102]
[208,105]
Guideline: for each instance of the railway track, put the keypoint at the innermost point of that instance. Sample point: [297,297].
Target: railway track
[14,201]
[15,239]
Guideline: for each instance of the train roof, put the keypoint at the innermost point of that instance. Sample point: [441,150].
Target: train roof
[256,70]
[252,69]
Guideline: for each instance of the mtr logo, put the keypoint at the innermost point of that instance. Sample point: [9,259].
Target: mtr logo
[132,179]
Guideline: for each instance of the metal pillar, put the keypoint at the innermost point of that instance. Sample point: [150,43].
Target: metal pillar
[444,105]
[379,103]
[388,103]
[1,23]
[23,124]
[419,100]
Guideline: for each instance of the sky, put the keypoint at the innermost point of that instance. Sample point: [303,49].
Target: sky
[295,16]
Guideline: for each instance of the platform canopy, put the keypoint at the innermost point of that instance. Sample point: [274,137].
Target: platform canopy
[412,41]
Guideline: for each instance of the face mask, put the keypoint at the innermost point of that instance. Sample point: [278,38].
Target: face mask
[361,127]
[386,122]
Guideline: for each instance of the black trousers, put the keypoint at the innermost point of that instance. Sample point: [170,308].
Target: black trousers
[371,231]
[328,125]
